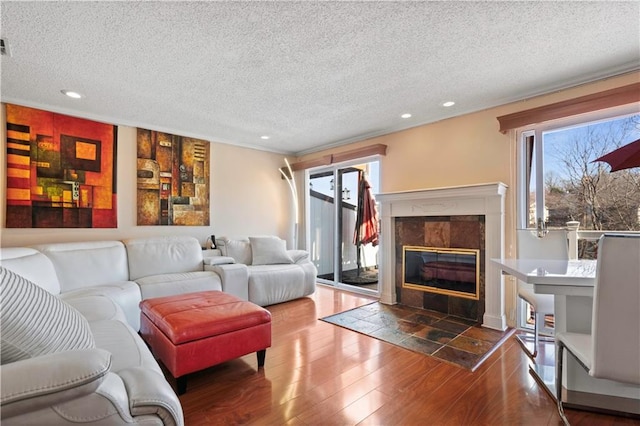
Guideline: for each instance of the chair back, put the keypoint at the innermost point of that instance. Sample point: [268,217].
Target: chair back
[554,245]
[615,326]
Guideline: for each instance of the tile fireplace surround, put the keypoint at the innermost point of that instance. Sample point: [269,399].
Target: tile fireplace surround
[482,199]
[462,299]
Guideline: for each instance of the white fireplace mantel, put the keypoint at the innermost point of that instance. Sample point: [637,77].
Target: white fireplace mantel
[482,199]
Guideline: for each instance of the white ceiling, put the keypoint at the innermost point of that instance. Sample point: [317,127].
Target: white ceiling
[308,74]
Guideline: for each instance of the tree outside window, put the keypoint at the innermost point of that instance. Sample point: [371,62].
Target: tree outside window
[575,187]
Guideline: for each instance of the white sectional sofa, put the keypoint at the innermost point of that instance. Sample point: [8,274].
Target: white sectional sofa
[114,379]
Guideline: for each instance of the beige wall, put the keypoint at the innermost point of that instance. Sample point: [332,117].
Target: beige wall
[248,197]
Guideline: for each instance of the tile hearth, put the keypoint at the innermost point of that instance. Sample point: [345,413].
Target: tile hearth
[451,339]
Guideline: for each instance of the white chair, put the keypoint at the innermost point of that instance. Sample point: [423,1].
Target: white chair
[612,350]
[553,245]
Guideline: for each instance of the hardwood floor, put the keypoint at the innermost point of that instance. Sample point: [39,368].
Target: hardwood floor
[321,374]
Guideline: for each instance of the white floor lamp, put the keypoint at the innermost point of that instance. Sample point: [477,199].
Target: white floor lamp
[291,180]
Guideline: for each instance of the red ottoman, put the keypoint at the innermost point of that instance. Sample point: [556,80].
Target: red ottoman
[194,331]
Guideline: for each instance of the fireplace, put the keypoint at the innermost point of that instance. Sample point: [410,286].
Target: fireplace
[453,272]
[452,279]
[465,217]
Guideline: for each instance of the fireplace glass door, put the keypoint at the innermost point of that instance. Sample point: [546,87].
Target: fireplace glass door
[344,257]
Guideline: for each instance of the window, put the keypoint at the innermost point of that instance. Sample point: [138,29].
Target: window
[559,181]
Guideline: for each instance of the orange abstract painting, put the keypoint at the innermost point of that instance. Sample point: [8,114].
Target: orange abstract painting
[61,171]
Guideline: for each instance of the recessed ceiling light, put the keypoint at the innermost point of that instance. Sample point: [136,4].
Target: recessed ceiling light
[265,137]
[448,104]
[407,115]
[71,94]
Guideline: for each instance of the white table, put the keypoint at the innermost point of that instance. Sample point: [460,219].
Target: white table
[572,282]
[573,277]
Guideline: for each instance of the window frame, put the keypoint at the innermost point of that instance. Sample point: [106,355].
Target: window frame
[536,133]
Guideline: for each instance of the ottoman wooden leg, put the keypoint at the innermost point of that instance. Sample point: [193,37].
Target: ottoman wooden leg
[261,355]
[181,383]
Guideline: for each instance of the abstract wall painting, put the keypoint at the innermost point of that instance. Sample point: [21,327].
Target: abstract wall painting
[173,179]
[61,171]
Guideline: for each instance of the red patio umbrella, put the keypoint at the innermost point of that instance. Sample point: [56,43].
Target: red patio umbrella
[625,157]
[367,215]
[366,218]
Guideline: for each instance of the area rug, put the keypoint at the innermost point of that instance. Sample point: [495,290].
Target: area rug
[448,338]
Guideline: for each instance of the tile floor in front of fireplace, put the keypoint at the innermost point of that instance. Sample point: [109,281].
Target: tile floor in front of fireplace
[451,339]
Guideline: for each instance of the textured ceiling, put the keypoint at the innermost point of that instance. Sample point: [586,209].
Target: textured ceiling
[308,74]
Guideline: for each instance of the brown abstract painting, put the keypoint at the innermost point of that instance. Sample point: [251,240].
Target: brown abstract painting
[173,179]
[61,171]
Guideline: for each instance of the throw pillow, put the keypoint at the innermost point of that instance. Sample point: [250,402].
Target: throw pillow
[35,322]
[269,251]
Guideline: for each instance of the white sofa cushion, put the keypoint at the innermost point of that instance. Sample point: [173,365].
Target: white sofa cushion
[163,255]
[127,348]
[162,285]
[239,250]
[269,251]
[218,260]
[35,322]
[125,293]
[89,263]
[32,265]
[96,308]
[269,284]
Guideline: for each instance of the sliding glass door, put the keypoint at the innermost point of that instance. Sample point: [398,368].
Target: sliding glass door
[343,223]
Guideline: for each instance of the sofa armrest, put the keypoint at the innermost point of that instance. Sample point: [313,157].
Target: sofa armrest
[150,394]
[299,256]
[234,277]
[31,384]
[211,252]
[218,260]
